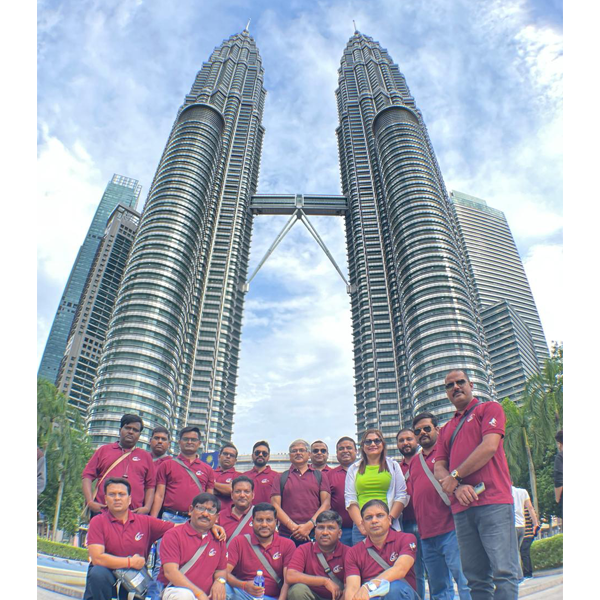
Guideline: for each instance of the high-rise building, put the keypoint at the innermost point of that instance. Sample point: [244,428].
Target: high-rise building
[173,345]
[86,340]
[497,274]
[120,190]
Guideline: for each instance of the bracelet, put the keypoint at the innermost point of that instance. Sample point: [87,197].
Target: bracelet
[129,562]
[313,522]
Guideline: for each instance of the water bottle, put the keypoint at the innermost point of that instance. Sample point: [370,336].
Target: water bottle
[151,558]
[259,581]
[376,591]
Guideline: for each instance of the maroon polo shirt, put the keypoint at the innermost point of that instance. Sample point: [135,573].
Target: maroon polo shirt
[488,417]
[408,514]
[138,468]
[135,536]
[245,563]
[180,488]
[262,483]
[301,495]
[432,515]
[337,481]
[305,561]
[159,461]
[397,543]
[229,522]
[225,477]
[181,543]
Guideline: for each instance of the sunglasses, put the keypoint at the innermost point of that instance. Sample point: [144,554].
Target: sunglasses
[372,442]
[426,429]
[319,451]
[459,382]
[261,453]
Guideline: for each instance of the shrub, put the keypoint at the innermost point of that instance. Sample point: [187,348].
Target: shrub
[62,550]
[547,553]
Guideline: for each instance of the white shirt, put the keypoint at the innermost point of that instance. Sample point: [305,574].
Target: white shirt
[520,496]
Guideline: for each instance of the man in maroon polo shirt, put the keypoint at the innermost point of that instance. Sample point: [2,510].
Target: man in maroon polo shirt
[181,479]
[118,539]
[304,496]
[186,578]
[243,562]
[346,455]
[225,473]
[239,512]
[319,455]
[484,519]
[384,554]
[261,473]
[160,442]
[433,515]
[306,574]
[121,459]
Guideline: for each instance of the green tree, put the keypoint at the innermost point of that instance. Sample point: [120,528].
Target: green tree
[62,438]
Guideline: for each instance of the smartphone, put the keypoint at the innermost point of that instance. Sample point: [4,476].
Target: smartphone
[480,487]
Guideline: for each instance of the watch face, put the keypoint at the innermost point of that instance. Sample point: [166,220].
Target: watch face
[372,586]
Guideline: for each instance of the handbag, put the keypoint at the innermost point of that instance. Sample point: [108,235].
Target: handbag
[135,582]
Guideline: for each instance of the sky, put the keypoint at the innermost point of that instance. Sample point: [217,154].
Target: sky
[486,75]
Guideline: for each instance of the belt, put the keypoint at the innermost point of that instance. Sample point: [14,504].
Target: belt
[179,513]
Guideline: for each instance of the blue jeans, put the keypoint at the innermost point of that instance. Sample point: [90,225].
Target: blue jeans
[232,593]
[411,527]
[401,590]
[442,561]
[488,551]
[156,587]
[357,536]
[346,538]
[100,584]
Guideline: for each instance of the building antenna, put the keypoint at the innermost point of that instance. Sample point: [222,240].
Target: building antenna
[247,28]
[355,30]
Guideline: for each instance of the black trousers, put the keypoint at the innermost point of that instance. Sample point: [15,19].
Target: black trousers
[100,584]
[526,556]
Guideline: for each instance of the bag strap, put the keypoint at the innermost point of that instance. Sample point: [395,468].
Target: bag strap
[264,562]
[285,475]
[378,559]
[434,481]
[240,526]
[121,458]
[460,424]
[189,472]
[321,558]
[190,563]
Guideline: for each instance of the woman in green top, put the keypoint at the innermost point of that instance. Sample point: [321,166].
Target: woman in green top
[374,475]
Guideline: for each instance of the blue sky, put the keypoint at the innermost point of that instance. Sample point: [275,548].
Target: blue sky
[486,75]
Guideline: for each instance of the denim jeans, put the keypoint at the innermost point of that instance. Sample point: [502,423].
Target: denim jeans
[232,593]
[411,527]
[357,536]
[526,557]
[520,535]
[488,551]
[346,538]
[401,590]
[100,584]
[156,587]
[442,561]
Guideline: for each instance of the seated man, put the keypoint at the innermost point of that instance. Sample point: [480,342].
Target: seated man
[262,550]
[118,538]
[316,571]
[237,519]
[384,555]
[193,560]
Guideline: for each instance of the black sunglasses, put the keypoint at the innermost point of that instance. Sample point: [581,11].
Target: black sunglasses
[319,451]
[372,442]
[459,382]
[261,453]
[426,429]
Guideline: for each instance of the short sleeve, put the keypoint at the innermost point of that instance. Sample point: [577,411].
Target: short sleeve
[408,546]
[150,480]
[210,481]
[351,565]
[298,560]
[223,557]
[233,551]
[441,448]
[288,549]
[275,488]
[158,527]
[170,550]
[493,419]
[161,473]
[325,485]
[95,534]
[91,469]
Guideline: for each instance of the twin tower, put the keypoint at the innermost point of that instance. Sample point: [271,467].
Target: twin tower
[173,345]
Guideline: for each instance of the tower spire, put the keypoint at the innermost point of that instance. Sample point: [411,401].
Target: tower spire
[355,29]
[247,28]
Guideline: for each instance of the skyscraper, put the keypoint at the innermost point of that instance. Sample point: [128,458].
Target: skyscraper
[86,340]
[498,275]
[120,190]
[173,345]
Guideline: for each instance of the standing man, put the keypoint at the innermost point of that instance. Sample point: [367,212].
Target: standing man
[407,444]
[346,455]
[225,473]
[384,554]
[558,469]
[262,475]
[470,453]
[530,533]
[237,518]
[121,459]
[521,503]
[431,504]
[299,495]
[262,550]
[181,479]
[306,574]
[160,442]
[118,539]
[194,562]
[319,453]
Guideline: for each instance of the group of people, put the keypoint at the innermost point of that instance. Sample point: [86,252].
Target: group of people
[369,527]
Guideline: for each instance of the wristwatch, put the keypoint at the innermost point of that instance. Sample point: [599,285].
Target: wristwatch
[455,475]
[221,580]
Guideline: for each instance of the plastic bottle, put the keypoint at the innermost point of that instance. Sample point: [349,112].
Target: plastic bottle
[151,558]
[259,581]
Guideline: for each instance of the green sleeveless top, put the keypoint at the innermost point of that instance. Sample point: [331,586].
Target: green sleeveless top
[372,485]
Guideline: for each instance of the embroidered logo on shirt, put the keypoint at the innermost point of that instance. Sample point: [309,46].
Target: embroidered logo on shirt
[228,480]
[250,524]
[212,552]
[277,555]
[264,481]
[393,556]
[198,472]
[337,568]
[470,418]
[493,422]
[136,458]
[138,536]
[412,546]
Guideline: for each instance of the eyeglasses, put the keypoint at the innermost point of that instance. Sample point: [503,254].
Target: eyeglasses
[319,450]
[211,510]
[186,440]
[459,382]
[298,451]
[228,454]
[374,442]
[261,453]
[426,429]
